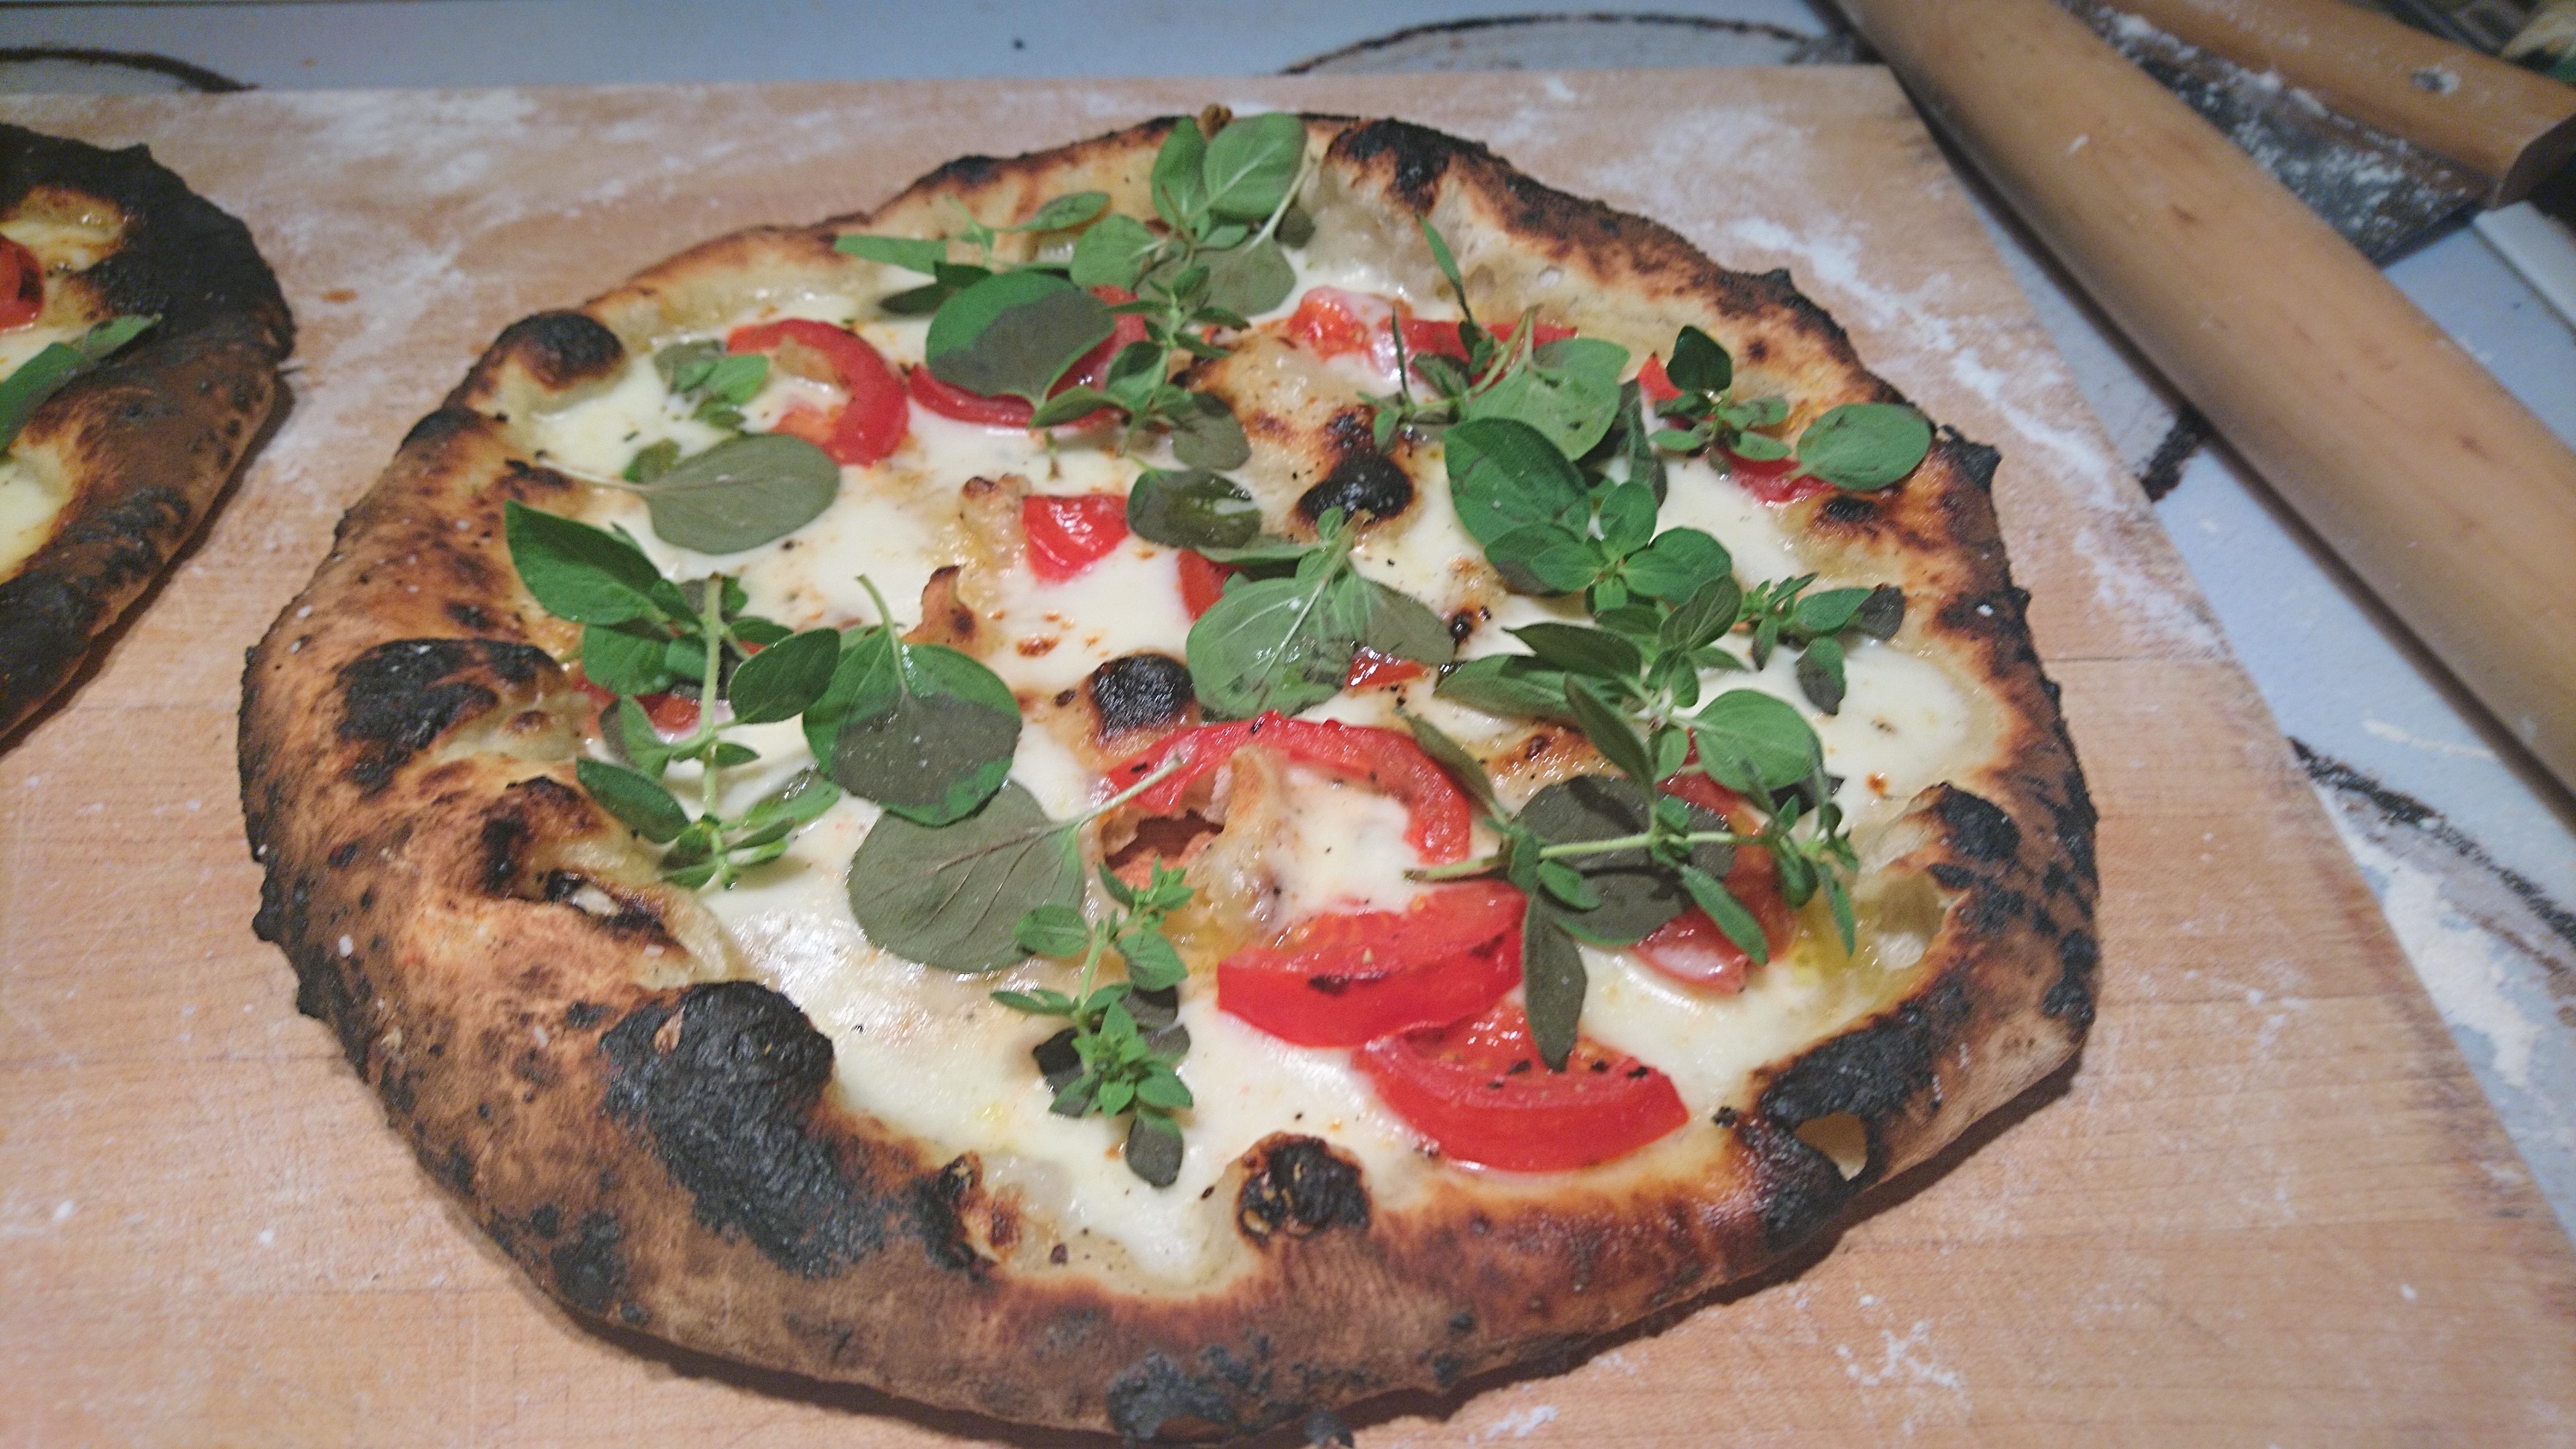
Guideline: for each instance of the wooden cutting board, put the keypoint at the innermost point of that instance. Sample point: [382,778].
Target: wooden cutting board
[2268,1205]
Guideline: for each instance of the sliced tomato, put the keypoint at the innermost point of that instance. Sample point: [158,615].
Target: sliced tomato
[1654,383]
[1437,815]
[1202,582]
[1444,339]
[1089,370]
[867,427]
[22,285]
[1330,322]
[1368,667]
[1690,948]
[1480,1093]
[1774,480]
[1068,535]
[1349,978]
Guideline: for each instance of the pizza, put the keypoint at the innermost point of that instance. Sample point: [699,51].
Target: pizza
[140,337]
[1173,783]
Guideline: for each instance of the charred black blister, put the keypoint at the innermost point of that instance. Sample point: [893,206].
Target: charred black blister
[397,697]
[589,1271]
[560,349]
[1980,829]
[1303,1187]
[1139,692]
[2071,996]
[728,1108]
[1365,481]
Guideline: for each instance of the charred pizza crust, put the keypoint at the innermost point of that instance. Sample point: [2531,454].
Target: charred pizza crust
[144,443]
[659,1147]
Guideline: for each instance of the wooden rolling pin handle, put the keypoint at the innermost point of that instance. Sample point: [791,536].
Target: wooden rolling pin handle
[2499,120]
[2449,500]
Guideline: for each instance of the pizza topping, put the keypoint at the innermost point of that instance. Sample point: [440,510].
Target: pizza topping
[1203,583]
[1348,978]
[921,729]
[1476,1091]
[952,896]
[1192,508]
[22,285]
[1860,447]
[1284,644]
[44,374]
[1117,1056]
[1436,814]
[640,631]
[871,423]
[1068,535]
[1567,388]
[737,495]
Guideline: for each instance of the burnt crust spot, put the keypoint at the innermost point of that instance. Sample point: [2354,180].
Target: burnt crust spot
[1364,481]
[181,258]
[1416,156]
[2070,997]
[1158,1393]
[729,1109]
[1299,1186]
[1145,691]
[939,1204]
[589,1271]
[398,697]
[558,349]
[1978,827]
[1873,1073]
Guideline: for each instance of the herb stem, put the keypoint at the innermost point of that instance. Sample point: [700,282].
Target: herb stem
[711,623]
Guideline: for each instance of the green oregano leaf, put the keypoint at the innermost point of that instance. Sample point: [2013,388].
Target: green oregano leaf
[1178,184]
[742,493]
[1864,446]
[1250,164]
[628,658]
[1765,732]
[1206,435]
[1568,391]
[780,681]
[909,253]
[1710,894]
[1511,685]
[1250,280]
[1014,334]
[1505,474]
[952,896]
[1882,613]
[1678,563]
[923,730]
[585,574]
[1552,981]
[1457,759]
[1066,211]
[1192,509]
[1699,364]
[1820,674]
[637,800]
[1113,253]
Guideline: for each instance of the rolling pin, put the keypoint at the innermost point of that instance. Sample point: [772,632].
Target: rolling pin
[2501,121]
[2451,501]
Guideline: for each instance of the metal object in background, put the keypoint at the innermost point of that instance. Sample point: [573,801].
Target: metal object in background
[1582,42]
[105,72]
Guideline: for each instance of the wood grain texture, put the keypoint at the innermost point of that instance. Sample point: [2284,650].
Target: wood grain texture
[2268,1205]
[2454,504]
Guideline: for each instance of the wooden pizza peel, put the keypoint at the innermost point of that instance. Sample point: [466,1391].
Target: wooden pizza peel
[2267,1206]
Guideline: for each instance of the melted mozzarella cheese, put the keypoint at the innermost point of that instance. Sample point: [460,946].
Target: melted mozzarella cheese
[31,498]
[930,1053]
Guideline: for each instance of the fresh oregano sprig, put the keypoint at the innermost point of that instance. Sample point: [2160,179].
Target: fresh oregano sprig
[1858,447]
[1286,643]
[1119,1052]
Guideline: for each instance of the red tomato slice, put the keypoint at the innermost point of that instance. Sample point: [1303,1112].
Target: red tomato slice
[1330,322]
[1368,667]
[1774,480]
[1068,535]
[22,285]
[1202,582]
[1344,980]
[1479,1091]
[1444,338]
[1387,760]
[1090,370]
[872,423]
[1690,948]
[1652,381]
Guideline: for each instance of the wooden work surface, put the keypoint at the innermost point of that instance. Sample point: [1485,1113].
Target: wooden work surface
[2268,1206]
